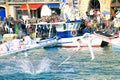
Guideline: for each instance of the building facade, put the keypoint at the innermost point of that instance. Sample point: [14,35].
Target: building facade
[15,7]
[111,6]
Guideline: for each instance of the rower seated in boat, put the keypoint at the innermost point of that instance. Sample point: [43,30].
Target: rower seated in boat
[3,47]
[15,44]
[27,40]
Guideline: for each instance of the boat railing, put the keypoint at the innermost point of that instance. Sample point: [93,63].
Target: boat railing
[57,26]
[50,25]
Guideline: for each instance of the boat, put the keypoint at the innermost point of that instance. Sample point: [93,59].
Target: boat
[40,40]
[38,44]
[68,33]
[116,44]
[68,30]
[113,40]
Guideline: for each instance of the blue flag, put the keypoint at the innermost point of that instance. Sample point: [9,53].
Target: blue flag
[64,1]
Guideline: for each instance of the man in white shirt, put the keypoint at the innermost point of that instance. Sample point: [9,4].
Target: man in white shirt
[27,40]
[3,47]
[15,43]
[78,47]
[88,40]
[79,44]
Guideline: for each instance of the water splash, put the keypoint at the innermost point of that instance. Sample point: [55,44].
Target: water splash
[34,67]
[44,66]
[25,66]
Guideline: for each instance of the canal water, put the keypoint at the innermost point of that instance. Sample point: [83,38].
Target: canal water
[40,64]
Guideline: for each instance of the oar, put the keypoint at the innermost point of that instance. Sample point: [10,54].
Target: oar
[73,53]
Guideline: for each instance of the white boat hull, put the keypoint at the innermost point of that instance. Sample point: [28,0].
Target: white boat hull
[72,42]
[116,44]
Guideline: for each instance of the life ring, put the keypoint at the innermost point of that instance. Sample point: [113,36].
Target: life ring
[73,33]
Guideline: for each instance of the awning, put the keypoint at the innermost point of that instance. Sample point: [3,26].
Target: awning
[32,6]
[53,5]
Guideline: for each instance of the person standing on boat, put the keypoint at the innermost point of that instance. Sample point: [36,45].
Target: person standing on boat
[88,40]
[116,25]
[78,46]
[3,47]
[15,44]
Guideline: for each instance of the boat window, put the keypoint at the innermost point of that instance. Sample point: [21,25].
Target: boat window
[60,27]
[75,26]
[64,26]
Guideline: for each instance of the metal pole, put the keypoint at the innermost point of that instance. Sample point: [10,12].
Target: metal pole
[7,7]
[28,8]
[50,31]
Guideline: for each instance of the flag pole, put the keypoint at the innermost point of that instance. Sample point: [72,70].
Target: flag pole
[28,9]
[7,7]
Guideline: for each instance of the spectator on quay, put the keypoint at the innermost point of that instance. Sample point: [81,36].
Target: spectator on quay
[91,13]
[6,28]
[20,21]
[9,19]
[94,25]
[1,36]
[12,26]
[24,29]
[116,25]
[20,33]
[16,28]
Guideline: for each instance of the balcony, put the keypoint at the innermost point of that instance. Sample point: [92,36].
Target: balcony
[32,1]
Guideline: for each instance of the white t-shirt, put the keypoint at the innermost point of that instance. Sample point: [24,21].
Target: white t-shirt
[15,44]
[3,48]
[27,40]
[78,46]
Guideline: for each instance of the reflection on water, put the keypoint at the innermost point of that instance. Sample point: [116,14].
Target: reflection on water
[40,64]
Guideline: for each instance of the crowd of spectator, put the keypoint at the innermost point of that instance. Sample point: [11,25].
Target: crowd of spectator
[96,21]
[20,26]
[93,21]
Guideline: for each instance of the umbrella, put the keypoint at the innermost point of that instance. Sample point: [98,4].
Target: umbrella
[105,12]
